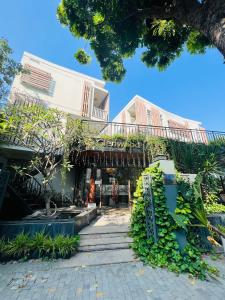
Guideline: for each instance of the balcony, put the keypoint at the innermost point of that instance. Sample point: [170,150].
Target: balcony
[99,113]
[180,134]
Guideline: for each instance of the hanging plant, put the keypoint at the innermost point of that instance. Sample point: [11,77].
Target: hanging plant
[82,57]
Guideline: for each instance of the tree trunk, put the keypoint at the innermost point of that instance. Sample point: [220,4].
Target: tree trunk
[47,204]
[209,19]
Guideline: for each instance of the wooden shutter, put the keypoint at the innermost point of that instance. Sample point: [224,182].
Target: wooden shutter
[36,77]
[85,100]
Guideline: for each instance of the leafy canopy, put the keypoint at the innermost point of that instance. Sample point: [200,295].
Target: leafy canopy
[115,29]
[8,69]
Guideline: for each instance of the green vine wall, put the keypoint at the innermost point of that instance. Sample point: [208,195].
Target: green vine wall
[166,252]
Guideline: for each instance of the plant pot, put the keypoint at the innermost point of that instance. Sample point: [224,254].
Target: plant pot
[223,242]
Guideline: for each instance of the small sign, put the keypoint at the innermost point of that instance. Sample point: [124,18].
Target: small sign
[146,181]
[91,205]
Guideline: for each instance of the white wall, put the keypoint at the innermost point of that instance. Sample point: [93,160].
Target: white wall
[66,91]
[166,115]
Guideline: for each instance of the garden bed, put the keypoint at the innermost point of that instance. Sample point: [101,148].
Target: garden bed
[40,245]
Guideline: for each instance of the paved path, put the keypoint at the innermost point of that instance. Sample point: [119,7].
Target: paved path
[126,281]
[103,276]
[106,240]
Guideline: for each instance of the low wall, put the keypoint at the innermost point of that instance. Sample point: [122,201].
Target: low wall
[9,229]
[84,219]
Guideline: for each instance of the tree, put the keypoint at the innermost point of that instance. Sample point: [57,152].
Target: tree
[115,29]
[52,135]
[8,69]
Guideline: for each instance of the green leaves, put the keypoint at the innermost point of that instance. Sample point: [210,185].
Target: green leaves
[180,220]
[197,43]
[98,18]
[115,29]
[82,57]
[166,253]
[8,69]
[40,245]
[164,28]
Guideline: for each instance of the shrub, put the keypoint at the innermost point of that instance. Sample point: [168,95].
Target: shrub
[165,252]
[38,246]
[214,208]
[65,246]
[20,247]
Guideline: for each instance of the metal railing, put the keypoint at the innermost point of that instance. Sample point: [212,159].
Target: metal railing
[99,113]
[101,129]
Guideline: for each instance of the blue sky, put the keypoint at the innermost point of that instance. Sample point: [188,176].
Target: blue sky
[193,86]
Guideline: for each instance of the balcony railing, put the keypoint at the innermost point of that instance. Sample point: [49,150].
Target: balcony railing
[180,134]
[97,129]
[99,113]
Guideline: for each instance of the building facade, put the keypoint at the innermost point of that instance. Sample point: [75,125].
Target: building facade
[61,88]
[105,174]
[142,116]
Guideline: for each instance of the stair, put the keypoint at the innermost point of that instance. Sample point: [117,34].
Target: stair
[105,245]
[105,241]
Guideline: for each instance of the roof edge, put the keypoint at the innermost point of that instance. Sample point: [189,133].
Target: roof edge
[28,54]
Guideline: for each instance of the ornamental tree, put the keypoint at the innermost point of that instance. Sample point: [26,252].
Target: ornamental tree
[8,69]
[51,134]
[163,28]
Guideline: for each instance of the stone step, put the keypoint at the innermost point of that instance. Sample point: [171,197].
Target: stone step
[104,247]
[104,229]
[104,241]
[103,235]
[95,258]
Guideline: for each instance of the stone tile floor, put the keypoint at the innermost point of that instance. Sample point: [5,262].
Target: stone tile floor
[44,280]
[75,279]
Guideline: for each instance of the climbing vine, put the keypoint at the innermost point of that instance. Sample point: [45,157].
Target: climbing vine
[166,252]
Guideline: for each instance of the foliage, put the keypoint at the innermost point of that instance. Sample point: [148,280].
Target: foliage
[221,228]
[201,216]
[188,157]
[156,146]
[52,135]
[197,43]
[116,29]
[166,252]
[8,69]
[19,247]
[214,208]
[82,57]
[40,245]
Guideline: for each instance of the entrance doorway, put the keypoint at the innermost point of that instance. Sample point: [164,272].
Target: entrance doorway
[109,186]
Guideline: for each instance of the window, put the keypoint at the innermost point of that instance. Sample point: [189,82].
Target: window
[161,120]
[149,117]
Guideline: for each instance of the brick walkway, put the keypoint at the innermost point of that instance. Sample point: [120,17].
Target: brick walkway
[104,277]
[34,281]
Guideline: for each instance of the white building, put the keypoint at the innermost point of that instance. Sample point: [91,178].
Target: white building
[142,116]
[62,88]
[143,112]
